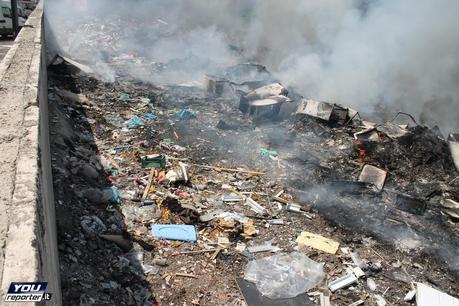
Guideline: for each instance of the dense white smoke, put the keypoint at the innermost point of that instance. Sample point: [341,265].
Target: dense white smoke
[398,55]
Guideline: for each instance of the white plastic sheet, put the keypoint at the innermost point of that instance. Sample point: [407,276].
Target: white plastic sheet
[284,275]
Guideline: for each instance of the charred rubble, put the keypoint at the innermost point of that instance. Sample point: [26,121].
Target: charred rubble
[250,165]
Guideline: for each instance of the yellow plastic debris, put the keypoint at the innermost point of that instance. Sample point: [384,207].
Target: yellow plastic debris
[318,242]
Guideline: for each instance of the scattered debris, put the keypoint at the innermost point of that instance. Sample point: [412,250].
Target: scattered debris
[113,194]
[178,174]
[249,229]
[293,207]
[58,59]
[324,298]
[373,175]
[276,221]
[410,204]
[371,284]
[451,207]
[134,172]
[410,295]
[153,161]
[267,247]
[358,262]
[75,98]
[325,111]
[342,282]
[380,301]
[358,272]
[453,141]
[174,232]
[264,101]
[318,109]
[253,297]
[234,198]
[428,296]
[284,275]
[267,153]
[186,113]
[134,123]
[317,242]
[185,275]
[256,207]
[357,303]
[119,240]
[392,130]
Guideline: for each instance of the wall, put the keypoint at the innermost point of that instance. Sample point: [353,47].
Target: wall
[28,232]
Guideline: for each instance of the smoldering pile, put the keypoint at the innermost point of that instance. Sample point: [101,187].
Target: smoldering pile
[392,180]
[318,48]
[398,174]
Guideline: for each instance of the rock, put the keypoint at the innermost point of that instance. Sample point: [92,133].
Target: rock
[86,300]
[162,262]
[94,160]
[92,225]
[72,258]
[85,137]
[88,172]
[92,246]
[96,196]
[200,187]
[119,240]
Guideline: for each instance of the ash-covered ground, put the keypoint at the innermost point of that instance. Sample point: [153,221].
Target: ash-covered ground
[109,257]
[131,86]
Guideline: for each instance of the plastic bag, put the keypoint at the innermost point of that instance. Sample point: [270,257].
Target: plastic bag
[186,113]
[113,194]
[134,123]
[267,153]
[285,275]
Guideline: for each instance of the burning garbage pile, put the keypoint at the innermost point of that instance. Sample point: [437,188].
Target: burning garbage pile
[236,189]
[216,195]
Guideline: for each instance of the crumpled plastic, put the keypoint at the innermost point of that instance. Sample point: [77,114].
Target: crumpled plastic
[178,174]
[150,116]
[267,153]
[285,275]
[134,123]
[186,113]
[113,194]
[125,97]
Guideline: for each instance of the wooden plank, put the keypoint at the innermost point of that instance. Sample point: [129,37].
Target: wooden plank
[147,188]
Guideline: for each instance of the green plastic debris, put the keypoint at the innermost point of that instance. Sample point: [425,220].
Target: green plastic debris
[134,123]
[125,96]
[267,153]
[150,116]
[186,113]
[115,197]
[153,161]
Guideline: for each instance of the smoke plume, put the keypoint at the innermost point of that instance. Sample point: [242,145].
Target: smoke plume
[368,54]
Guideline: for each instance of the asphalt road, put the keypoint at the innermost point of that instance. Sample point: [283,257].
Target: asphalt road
[5,45]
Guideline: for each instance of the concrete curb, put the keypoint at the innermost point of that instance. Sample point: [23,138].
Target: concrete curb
[31,242]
